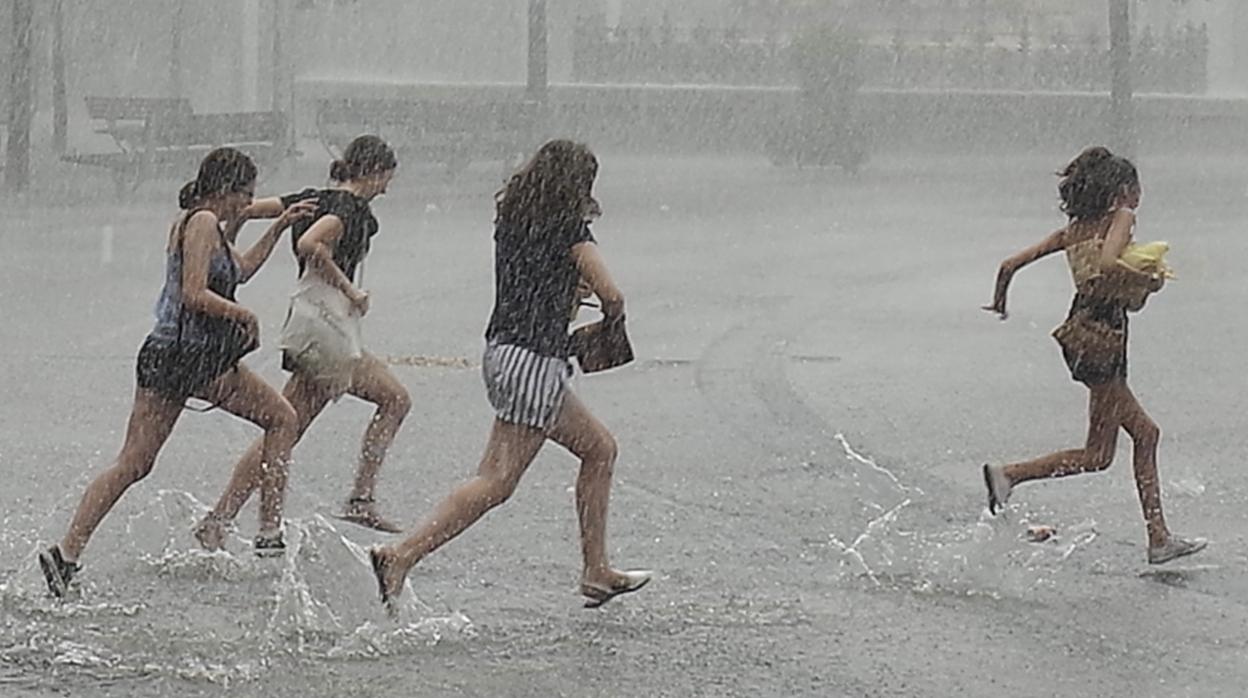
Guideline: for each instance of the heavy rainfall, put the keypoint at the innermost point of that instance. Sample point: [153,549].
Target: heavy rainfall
[831,301]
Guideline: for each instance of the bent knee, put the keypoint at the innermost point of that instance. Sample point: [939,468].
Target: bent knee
[281,416]
[498,491]
[1099,460]
[1147,433]
[132,469]
[604,449]
[398,403]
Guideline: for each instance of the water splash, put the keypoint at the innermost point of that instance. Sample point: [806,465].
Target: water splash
[853,455]
[875,527]
[130,615]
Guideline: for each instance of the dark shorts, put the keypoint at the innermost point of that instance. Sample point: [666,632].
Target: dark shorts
[178,370]
[1095,372]
[1105,363]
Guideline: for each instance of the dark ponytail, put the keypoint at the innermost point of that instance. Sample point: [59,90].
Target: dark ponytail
[189,195]
[222,171]
[366,155]
[1092,181]
[340,171]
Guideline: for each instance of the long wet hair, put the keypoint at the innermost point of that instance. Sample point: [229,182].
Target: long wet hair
[365,155]
[1093,181]
[222,171]
[555,184]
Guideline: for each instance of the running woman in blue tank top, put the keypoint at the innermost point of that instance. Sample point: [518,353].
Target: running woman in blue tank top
[332,245]
[201,333]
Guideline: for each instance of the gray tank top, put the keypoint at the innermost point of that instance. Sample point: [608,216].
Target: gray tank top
[224,276]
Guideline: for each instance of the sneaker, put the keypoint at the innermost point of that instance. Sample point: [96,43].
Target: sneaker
[212,532]
[1175,548]
[270,544]
[999,488]
[57,571]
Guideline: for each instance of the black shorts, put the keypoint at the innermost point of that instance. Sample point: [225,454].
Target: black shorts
[178,370]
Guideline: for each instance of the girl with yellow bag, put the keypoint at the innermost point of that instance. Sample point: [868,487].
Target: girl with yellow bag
[1099,193]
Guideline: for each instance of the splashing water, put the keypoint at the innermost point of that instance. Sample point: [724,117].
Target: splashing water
[163,608]
[987,556]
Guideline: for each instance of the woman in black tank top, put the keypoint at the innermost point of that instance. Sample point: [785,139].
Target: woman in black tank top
[194,352]
[333,245]
[542,246]
[1099,192]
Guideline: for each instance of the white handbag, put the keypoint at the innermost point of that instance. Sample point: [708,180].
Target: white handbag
[322,335]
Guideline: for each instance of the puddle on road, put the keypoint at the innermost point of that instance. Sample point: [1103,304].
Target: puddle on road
[182,614]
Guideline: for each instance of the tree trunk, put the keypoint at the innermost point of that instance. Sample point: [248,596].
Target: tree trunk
[1122,126]
[537,83]
[60,106]
[175,49]
[21,99]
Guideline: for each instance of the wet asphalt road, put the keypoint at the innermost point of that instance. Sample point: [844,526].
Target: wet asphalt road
[800,437]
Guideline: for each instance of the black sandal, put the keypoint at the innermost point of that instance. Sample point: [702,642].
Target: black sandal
[596,595]
[387,600]
[360,512]
[57,572]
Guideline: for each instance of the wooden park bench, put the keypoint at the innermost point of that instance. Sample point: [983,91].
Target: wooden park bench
[163,137]
[450,132]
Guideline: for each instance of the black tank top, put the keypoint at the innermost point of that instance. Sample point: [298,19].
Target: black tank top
[358,225]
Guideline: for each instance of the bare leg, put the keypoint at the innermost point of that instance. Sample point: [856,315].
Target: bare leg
[151,421]
[244,394]
[1104,418]
[308,402]
[375,383]
[1145,434]
[510,451]
[579,431]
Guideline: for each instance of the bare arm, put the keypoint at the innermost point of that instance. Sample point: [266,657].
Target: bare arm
[593,270]
[1055,242]
[255,257]
[200,240]
[1116,241]
[268,207]
[316,249]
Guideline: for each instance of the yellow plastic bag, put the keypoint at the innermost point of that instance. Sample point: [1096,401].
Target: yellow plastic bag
[1149,258]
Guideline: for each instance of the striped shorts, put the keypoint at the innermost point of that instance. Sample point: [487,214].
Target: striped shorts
[525,387]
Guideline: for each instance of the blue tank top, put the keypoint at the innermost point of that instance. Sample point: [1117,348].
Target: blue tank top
[224,276]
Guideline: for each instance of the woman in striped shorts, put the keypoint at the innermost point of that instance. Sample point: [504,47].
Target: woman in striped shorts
[542,249]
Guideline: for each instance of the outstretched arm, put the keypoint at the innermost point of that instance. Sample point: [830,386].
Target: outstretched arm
[1055,242]
[255,257]
[268,207]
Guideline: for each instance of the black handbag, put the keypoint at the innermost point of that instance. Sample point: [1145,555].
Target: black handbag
[601,346]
